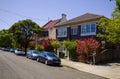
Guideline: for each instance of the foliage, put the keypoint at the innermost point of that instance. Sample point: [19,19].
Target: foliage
[23,32]
[47,45]
[39,48]
[116,11]
[112,30]
[31,45]
[86,48]
[55,44]
[117,4]
[111,26]
[5,38]
[71,47]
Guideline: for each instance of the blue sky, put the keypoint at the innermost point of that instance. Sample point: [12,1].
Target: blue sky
[39,11]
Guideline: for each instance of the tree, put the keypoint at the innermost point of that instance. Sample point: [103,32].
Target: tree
[55,44]
[39,48]
[117,4]
[111,30]
[87,48]
[116,11]
[111,27]
[71,48]
[23,32]
[5,38]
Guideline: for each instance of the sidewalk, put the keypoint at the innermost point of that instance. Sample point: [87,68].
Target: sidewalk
[111,71]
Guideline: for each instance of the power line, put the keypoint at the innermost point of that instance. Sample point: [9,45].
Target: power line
[5,22]
[17,14]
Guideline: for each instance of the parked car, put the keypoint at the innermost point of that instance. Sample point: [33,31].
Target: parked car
[5,49]
[12,50]
[19,52]
[48,58]
[32,54]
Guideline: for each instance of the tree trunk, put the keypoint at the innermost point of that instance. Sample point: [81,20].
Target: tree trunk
[26,46]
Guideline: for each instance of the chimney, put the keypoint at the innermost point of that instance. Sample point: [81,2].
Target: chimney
[63,17]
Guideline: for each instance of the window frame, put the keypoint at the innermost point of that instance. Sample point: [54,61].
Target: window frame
[62,32]
[73,32]
[84,29]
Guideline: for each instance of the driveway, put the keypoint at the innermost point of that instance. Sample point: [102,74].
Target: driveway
[19,67]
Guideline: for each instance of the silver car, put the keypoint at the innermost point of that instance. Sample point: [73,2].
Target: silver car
[19,52]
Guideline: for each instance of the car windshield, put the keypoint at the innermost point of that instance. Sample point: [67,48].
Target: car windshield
[19,49]
[36,52]
[51,54]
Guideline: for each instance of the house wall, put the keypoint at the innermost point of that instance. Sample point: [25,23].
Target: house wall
[52,33]
[78,35]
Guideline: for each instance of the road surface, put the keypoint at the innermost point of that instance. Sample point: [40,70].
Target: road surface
[19,67]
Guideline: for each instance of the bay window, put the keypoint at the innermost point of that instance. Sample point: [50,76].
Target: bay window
[88,29]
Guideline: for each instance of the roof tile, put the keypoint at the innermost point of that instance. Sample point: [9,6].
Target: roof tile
[51,23]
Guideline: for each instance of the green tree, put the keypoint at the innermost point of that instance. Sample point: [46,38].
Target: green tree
[111,30]
[40,48]
[5,38]
[111,27]
[116,11]
[55,44]
[23,31]
[71,48]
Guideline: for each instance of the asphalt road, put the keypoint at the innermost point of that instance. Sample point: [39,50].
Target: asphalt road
[19,67]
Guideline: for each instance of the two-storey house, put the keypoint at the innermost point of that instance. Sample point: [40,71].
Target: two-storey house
[50,29]
[81,27]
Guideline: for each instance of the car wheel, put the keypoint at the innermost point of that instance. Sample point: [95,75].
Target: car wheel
[46,62]
[38,59]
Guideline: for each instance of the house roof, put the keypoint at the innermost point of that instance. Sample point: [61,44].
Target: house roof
[51,23]
[82,18]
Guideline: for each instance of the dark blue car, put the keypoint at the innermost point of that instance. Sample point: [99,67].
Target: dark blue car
[32,54]
[48,58]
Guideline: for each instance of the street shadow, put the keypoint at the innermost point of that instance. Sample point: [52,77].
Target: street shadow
[55,65]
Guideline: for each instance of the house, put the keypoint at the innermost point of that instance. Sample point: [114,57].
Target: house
[49,27]
[81,27]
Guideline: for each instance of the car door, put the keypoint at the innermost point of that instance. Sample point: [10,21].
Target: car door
[43,57]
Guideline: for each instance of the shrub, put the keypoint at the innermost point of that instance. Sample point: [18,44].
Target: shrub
[86,48]
[47,45]
[55,44]
[39,48]
[71,47]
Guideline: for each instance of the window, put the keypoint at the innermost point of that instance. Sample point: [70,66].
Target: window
[62,32]
[88,29]
[93,27]
[74,31]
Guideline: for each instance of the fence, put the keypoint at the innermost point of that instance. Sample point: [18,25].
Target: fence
[107,55]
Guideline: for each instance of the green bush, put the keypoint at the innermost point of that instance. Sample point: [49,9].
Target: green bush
[71,47]
[39,48]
